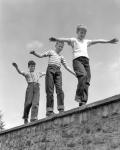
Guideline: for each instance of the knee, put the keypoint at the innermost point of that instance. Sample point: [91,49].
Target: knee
[59,91]
[88,79]
[49,95]
[35,106]
[27,104]
[81,75]
[49,92]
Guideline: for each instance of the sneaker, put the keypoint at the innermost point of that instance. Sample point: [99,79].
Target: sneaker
[61,111]
[82,103]
[25,121]
[50,114]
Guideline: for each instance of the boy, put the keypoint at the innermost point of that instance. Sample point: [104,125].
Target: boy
[54,77]
[81,60]
[32,91]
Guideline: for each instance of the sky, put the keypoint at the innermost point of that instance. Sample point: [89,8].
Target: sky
[26,24]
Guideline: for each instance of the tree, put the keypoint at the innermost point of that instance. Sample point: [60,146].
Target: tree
[1,122]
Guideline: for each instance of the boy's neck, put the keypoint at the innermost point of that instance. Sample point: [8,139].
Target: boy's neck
[80,39]
[56,50]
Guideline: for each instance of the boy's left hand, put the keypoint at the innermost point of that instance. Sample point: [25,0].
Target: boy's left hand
[32,52]
[114,41]
[14,64]
[52,39]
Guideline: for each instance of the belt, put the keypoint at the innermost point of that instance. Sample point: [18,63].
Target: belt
[33,83]
[55,66]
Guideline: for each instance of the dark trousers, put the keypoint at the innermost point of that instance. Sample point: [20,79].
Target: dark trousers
[54,78]
[82,70]
[32,100]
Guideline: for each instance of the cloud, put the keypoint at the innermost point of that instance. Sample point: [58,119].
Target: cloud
[117,29]
[114,72]
[16,1]
[34,45]
[117,2]
[115,65]
[97,66]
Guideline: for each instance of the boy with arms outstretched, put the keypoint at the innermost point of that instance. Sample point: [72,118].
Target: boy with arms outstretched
[81,60]
[54,77]
[32,91]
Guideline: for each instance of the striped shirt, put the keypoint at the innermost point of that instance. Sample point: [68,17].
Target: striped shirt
[33,76]
[54,58]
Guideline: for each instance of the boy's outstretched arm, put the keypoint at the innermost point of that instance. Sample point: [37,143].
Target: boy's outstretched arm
[43,74]
[37,55]
[113,41]
[53,39]
[18,70]
[68,68]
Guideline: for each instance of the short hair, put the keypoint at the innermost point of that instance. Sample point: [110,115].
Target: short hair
[57,42]
[31,62]
[79,27]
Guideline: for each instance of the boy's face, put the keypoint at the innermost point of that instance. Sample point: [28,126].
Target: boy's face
[81,34]
[59,46]
[31,68]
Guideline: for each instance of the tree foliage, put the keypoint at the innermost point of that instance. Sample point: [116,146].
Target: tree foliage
[1,122]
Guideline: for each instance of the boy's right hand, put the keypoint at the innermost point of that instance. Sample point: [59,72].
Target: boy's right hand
[15,65]
[32,52]
[52,39]
[114,41]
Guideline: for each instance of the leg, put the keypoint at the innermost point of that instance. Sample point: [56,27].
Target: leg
[49,82]
[28,101]
[59,91]
[87,83]
[35,103]
[82,76]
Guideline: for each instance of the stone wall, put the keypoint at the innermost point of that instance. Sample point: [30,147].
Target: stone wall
[95,126]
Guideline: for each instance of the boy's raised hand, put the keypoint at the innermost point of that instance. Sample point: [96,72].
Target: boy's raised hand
[114,41]
[52,39]
[15,65]
[32,52]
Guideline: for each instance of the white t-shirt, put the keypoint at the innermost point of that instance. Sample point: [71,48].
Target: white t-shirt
[79,47]
[54,58]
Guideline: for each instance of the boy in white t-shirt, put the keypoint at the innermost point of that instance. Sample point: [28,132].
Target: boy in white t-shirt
[81,60]
[54,77]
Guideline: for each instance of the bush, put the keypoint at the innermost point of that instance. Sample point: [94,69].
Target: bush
[1,122]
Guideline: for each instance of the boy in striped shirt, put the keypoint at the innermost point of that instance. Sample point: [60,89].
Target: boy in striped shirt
[32,91]
[54,77]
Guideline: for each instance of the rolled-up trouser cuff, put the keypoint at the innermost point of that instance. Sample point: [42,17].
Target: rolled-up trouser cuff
[49,109]
[77,98]
[24,117]
[60,107]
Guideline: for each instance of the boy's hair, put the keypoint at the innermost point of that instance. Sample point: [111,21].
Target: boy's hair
[79,27]
[57,42]
[31,62]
